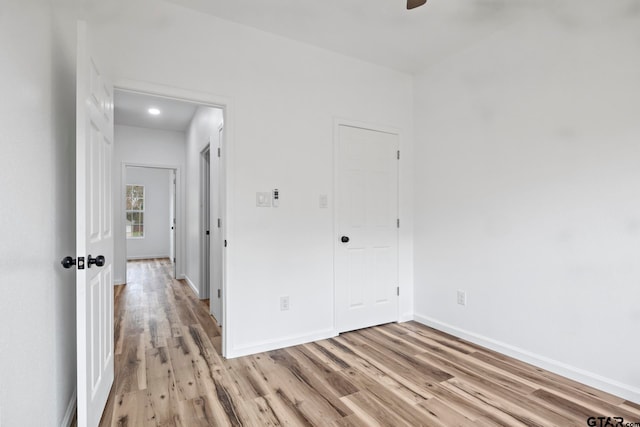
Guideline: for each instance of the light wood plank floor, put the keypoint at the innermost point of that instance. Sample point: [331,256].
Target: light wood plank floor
[169,372]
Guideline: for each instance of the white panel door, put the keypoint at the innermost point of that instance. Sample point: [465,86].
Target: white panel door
[215,298]
[206,224]
[366,255]
[94,234]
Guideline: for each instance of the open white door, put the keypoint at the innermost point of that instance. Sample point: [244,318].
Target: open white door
[215,298]
[94,234]
[366,251]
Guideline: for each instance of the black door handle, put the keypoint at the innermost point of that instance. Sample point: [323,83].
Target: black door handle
[344,239]
[68,262]
[98,261]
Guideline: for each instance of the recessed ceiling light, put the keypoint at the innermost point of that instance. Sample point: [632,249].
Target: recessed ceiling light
[154,111]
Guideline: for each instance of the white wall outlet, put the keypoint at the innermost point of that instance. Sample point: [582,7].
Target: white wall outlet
[462,298]
[284,303]
[263,200]
[323,201]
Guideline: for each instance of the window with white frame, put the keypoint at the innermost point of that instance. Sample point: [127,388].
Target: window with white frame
[135,211]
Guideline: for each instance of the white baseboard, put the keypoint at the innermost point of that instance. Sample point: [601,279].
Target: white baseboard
[406,317]
[71,410]
[192,285]
[280,343]
[134,258]
[591,379]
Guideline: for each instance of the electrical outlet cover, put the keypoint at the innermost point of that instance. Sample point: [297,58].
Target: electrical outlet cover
[462,298]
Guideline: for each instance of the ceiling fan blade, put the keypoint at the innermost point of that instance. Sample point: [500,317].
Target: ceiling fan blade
[411,4]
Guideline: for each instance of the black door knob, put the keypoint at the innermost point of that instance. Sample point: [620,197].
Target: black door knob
[68,262]
[344,239]
[98,261]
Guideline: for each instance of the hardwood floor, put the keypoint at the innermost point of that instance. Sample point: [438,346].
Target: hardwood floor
[169,372]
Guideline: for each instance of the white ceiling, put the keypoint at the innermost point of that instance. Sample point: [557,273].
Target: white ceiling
[378,31]
[131,109]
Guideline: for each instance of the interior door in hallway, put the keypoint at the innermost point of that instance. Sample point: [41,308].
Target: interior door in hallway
[366,240]
[217,242]
[94,234]
[205,203]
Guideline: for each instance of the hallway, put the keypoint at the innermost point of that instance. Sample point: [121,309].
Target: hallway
[169,372]
[158,320]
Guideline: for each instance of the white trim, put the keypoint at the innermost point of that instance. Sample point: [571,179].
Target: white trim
[626,391]
[134,258]
[226,104]
[340,121]
[71,410]
[281,343]
[406,317]
[193,287]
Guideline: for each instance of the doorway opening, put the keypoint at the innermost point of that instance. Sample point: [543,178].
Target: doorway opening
[167,130]
[149,194]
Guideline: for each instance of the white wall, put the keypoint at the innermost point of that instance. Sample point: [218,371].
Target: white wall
[202,131]
[284,97]
[37,300]
[528,192]
[150,147]
[157,227]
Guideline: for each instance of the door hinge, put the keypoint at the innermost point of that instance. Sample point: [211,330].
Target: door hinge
[398,290]
[174,260]
[225,243]
[398,154]
[219,222]
[398,222]
[218,151]
[219,293]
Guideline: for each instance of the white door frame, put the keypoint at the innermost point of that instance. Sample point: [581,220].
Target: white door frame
[227,185]
[337,122]
[178,236]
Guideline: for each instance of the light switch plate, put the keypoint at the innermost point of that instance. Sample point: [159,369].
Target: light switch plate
[263,200]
